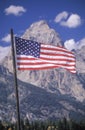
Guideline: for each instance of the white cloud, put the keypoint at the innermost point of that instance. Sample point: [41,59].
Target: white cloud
[71,44]
[61,16]
[7,38]
[15,10]
[72,21]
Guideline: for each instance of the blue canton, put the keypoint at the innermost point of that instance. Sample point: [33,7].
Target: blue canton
[27,47]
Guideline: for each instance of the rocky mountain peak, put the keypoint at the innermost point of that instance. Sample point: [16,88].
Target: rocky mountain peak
[2,54]
[80,59]
[40,23]
[55,82]
[41,32]
[52,80]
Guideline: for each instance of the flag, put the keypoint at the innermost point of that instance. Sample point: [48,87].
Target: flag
[32,55]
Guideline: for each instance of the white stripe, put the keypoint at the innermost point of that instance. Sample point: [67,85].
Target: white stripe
[56,52]
[56,57]
[40,61]
[68,67]
[51,46]
[30,61]
[46,65]
[54,47]
[36,66]
[72,71]
[24,56]
[43,56]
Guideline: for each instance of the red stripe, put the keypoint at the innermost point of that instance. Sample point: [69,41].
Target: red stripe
[57,59]
[22,68]
[24,63]
[41,58]
[25,58]
[57,49]
[53,54]
[42,63]
[71,70]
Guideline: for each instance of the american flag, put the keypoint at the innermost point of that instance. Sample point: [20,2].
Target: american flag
[32,55]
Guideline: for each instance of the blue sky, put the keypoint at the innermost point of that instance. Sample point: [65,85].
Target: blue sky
[67,17]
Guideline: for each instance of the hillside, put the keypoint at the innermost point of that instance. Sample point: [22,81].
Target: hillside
[46,94]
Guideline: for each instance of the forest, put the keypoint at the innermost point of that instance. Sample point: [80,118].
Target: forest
[63,124]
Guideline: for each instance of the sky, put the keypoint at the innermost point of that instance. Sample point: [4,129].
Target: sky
[67,17]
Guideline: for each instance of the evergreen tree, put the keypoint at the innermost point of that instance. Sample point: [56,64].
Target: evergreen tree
[26,124]
[65,124]
[60,125]
[1,126]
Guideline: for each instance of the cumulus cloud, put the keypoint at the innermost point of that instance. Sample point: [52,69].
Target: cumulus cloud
[15,10]
[71,21]
[61,16]
[7,38]
[72,44]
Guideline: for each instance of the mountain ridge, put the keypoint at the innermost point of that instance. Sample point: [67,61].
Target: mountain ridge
[58,84]
[35,102]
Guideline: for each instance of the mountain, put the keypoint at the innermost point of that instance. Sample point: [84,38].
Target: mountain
[35,103]
[41,32]
[2,54]
[52,93]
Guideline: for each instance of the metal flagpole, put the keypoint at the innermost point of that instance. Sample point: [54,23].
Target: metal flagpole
[15,79]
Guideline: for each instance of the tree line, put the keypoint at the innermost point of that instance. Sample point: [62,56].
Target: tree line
[63,124]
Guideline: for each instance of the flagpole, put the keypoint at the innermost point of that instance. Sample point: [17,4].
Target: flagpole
[15,80]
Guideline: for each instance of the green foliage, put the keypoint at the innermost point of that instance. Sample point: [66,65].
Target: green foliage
[63,124]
